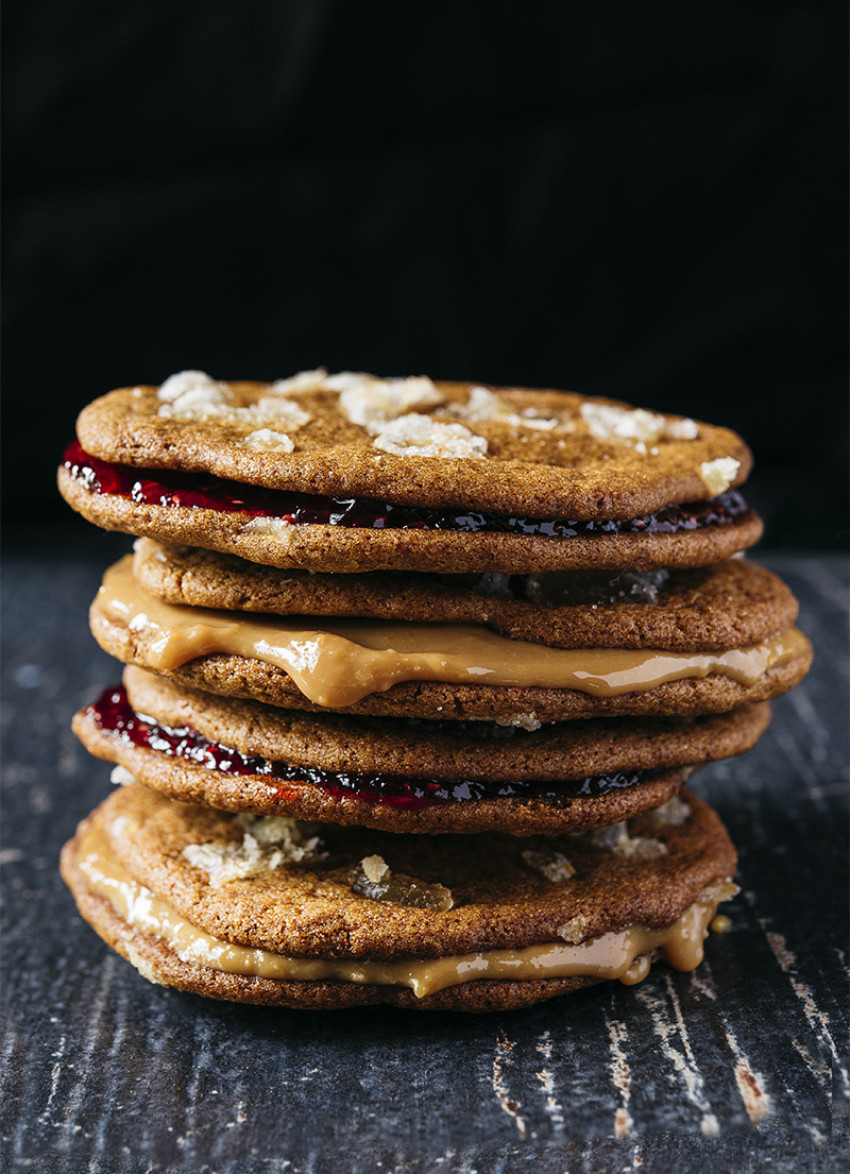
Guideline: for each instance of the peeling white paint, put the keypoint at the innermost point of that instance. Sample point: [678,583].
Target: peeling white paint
[501,1061]
[682,1061]
[817,1019]
[621,1077]
[547,1079]
[751,1084]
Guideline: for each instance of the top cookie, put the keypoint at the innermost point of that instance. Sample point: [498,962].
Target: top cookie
[410,474]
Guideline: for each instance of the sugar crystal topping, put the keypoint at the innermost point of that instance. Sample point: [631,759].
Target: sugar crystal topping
[718,475]
[415,435]
[267,440]
[193,395]
[634,426]
[521,721]
[483,406]
[267,843]
[374,868]
[372,402]
[373,879]
[303,381]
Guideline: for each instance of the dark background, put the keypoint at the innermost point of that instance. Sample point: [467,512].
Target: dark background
[641,201]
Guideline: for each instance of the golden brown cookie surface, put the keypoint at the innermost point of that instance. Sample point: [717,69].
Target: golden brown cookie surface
[732,603]
[599,458]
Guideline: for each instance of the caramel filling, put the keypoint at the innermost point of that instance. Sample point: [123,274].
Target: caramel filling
[620,955]
[339,663]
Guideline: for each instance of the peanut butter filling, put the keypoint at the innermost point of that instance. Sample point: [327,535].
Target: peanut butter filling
[621,955]
[337,664]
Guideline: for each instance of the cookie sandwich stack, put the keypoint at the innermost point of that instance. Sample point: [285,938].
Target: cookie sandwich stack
[415,674]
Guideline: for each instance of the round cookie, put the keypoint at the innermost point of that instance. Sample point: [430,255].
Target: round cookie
[516,464]
[579,468]
[243,882]
[383,773]
[730,604]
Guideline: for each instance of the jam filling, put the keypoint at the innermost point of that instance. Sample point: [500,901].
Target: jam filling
[114,714]
[200,491]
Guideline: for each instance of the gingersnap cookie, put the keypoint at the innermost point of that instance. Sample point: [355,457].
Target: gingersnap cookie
[402,775]
[272,911]
[349,473]
[443,671]
[706,609]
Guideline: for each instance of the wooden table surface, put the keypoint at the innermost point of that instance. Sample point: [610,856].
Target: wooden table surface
[740,1066]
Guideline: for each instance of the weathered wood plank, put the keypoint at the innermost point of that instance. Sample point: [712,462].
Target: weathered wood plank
[742,1065]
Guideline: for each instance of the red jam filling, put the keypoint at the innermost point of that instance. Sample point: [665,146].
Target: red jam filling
[200,491]
[114,714]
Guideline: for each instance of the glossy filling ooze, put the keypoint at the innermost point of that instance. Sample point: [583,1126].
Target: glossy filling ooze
[624,954]
[114,715]
[338,663]
[198,491]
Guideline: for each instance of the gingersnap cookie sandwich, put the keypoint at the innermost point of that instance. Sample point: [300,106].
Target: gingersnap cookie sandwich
[443,670]
[401,775]
[732,604]
[350,473]
[271,911]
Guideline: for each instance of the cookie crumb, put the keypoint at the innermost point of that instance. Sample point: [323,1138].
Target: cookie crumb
[374,868]
[674,812]
[616,839]
[553,865]
[522,721]
[142,965]
[121,777]
[574,930]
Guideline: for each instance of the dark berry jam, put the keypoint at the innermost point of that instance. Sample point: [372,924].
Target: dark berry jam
[200,491]
[114,714]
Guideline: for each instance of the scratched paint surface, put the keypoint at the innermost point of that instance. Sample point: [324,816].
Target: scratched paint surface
[741,1066]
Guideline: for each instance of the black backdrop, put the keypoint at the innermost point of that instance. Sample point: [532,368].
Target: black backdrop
[642,201]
